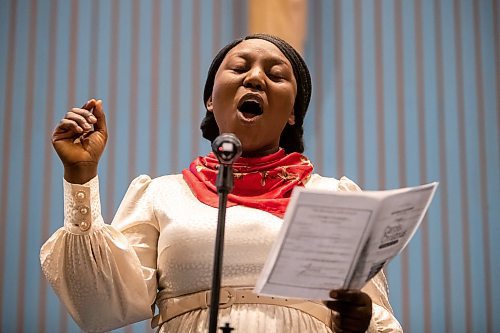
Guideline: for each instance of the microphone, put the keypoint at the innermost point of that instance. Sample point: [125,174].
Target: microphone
[227,148]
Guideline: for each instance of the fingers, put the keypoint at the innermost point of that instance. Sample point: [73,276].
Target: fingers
[341,324]
[89,105]
[348,310]
[353,303]
[353,296]
[76,122]
[350,319]
[82,117]
[352,310]
[66,129]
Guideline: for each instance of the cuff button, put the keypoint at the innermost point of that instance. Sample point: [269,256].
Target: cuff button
[80,195]
[84,226]
[84,210]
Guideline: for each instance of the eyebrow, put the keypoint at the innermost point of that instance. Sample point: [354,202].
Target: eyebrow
[248,54]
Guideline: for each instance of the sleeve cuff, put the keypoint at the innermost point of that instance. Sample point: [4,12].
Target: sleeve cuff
[82,207]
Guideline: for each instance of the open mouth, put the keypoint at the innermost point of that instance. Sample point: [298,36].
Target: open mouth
[250,108]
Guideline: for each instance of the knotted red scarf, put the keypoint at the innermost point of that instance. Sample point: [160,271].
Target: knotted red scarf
[264,183]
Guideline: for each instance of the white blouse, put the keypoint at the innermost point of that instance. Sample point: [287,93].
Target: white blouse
[160,245]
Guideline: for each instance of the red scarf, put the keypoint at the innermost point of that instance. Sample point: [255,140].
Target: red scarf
[265,183]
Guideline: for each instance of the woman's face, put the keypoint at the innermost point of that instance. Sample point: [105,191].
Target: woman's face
[253,95]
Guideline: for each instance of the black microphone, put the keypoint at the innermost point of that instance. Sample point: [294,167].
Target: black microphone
[227,148]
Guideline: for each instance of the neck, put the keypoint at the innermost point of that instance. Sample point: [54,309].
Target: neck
[260,153]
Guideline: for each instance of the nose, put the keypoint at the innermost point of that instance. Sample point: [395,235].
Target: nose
[254,79]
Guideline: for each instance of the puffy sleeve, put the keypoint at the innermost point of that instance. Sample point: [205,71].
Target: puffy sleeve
[383,319]
[104,274]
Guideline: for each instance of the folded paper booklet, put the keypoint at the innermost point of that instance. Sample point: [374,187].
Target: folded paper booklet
[331,240]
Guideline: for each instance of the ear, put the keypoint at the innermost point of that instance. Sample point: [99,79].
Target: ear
[291,119]
[209,105]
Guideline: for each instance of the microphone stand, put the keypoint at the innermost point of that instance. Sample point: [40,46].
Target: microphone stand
[224,185]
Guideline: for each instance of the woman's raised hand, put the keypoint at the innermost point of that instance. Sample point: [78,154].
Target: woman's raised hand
[78,145]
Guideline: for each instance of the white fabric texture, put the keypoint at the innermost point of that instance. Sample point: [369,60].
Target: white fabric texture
[160,245]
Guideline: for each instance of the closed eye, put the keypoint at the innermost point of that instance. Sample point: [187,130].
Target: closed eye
[275,77]
[278,73]
[239,70]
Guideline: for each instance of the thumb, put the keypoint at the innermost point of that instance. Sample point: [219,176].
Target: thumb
[89,104]
[100,125]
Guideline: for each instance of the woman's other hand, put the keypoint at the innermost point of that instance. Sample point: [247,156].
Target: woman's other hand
[78,145]
[352,310]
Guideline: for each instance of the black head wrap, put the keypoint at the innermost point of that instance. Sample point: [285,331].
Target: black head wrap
[292,136]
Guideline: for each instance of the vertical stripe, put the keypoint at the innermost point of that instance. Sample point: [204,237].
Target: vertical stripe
[400,92]
[420,100]
[443,166]
[238,19]
[496,41]
[155,86]
[464,204]
[318,70]
[379,79]
[339,87]
[133,103]
[216,24]
[175,66]
[93,50]
[401,147]
[26,180]
[47,163]
[72,54]
[11,60]
[195,79]
[482,162]
[360,131]
[111,116]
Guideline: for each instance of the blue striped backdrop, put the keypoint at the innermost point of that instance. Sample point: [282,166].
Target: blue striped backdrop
[405,92]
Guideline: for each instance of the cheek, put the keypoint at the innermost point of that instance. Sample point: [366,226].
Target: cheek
[285,98]
[223,92]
